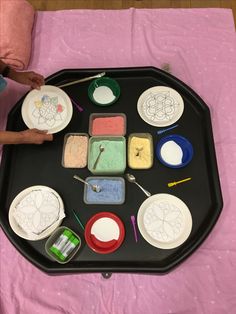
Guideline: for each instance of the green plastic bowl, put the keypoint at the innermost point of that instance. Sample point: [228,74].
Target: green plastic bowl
[107,82]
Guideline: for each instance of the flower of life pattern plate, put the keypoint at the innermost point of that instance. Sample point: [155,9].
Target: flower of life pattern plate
[160,106]
[164,221]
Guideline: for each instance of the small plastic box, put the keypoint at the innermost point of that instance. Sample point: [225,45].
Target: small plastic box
[80,152]
[51,240]
[107,124]
[140,151]
[112,160]
[112,190]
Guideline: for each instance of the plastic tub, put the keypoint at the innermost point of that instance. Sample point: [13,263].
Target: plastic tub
[112,160]
[107,124]
[104,91]
[75,150]
[112,190]
[140,151]
[52,239]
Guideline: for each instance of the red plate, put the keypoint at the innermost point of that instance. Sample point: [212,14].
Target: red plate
[104,247]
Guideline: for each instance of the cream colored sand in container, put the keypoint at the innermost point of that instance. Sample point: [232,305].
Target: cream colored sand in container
[75,151]
[140,151]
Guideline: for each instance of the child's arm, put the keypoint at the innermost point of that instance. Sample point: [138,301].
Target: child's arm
[31,78]
[30,136]
[2,66]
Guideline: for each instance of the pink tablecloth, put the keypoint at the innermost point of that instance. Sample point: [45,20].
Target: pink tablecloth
[200,46]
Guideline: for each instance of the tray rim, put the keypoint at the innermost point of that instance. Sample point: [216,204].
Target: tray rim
[215,175]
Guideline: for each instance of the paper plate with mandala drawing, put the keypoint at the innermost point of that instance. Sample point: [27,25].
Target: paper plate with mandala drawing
[49,108]
[164,221]
[36,212]
[160,106]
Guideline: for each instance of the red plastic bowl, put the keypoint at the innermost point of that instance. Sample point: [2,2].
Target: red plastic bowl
[101,246]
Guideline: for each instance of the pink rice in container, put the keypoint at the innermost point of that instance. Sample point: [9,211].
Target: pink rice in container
[75,151]
[114,125]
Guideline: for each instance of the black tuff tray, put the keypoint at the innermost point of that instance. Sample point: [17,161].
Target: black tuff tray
[27,165]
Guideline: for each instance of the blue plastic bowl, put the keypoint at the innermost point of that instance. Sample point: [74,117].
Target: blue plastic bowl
[185,145]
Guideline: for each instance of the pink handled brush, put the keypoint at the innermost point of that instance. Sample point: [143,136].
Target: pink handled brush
[134,227]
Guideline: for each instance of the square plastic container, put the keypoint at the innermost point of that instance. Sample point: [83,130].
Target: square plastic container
[140,151]
[112,191]
[51,240]
[75,150]
[112,160]
[107,124]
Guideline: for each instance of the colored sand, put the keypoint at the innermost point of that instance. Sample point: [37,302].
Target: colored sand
[112,191]
[112,159]
[140,153]
[75,152]
[108,126]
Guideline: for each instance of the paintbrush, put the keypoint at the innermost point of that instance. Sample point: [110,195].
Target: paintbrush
[170,184]
[82,80]
[77,219]
[80,109]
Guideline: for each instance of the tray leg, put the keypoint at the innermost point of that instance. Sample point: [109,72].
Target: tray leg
[106,275]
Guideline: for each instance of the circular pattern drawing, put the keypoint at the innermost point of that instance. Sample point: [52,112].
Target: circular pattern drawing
[160,106]
[49,108]
[164,221]
[35,212]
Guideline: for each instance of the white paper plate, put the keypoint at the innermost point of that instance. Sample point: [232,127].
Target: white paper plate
[160,106]
[35,209]
[164,221]
[49,108]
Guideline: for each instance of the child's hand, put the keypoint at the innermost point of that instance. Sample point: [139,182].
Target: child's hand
[32,79]
[35,136]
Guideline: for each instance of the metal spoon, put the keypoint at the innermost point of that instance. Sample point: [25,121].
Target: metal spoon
[132,179]
[101,149]
[94,187]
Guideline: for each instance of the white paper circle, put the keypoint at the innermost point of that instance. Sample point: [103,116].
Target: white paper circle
[103,95]
[105,229]
[171,153]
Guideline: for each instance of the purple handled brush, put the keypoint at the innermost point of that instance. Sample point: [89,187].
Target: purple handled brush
[134,227]
[77,105]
